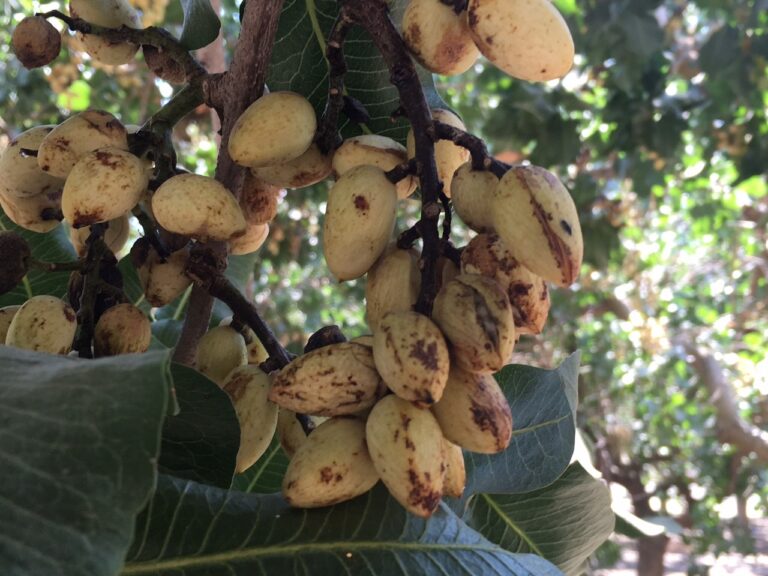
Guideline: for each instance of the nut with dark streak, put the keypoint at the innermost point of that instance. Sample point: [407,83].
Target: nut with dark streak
[536,217]
[412,357]
[487,255]
[475,316]
[333,380]
[474,413]
[406,446]
[310,168]
[331,466]
[123,329]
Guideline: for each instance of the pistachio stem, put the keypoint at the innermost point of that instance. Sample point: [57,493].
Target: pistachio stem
[373,16]
[91,282]
[327,137]
[481,159]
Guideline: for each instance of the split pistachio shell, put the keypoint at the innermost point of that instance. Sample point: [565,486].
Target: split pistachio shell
[536,218]
[474,413]
[109,14]
[527,39]
[331,466]
[392,285]
[253,239]
[275,129]
[164,281]
[123,329]
[85,132]
[406,446]
[373,150]
[359,221]
[455,479]
[412,357]
[475,316]
[472,195]
[448,156]
[221,350]
[115,237]
[199,207]
[43,324]
[40,213]
[438,37]
[248,387]
[104,185]
[310,168]
[487,255]
[333,380]
[20,175]
[6,316]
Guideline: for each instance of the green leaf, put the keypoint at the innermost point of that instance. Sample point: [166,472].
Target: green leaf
[633,526]
[53,246]
[131,285]
[200,442]
[564,522]
[193,529]
[543,406]
[78,448]
[201,24]
[165,333]
[266,476]
[298,63]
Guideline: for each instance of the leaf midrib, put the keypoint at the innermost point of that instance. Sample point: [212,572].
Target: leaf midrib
[528,429]
[286,550]
[509,522]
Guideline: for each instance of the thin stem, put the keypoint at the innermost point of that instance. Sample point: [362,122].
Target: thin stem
[327,133]
[91,281]
[373,16]
[481,159]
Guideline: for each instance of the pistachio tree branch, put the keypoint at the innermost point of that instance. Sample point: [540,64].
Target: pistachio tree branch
[328,128]
[230,95]
[373,16]
[152,36]
[204,267]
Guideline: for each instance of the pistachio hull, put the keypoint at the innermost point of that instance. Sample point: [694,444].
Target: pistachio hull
[474,413]
[248,388]
[334,380]
[331,466]
[406,446]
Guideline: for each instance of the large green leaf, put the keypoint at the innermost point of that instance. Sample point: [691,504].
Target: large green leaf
[564,522]
[51,247]
[266,476]
[200,442]
[78,444]
[201,24]
[543,406]
[299,64]
[192,529]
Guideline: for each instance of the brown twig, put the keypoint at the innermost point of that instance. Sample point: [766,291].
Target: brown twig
[481,159]
[373,16]
[90,291]
[327,137]
[230,94]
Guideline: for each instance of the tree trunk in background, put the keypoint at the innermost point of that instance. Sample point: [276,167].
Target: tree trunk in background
[650,555]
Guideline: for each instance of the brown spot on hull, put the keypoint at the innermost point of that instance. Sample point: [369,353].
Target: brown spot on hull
[361,203]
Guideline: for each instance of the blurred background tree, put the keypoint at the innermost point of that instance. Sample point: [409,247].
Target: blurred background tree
[660,132]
